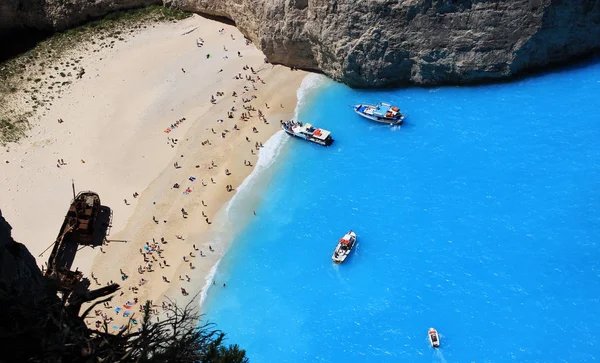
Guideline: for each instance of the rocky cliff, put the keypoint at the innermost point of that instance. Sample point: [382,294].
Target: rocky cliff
[19,273]
[60,14]
[373,43]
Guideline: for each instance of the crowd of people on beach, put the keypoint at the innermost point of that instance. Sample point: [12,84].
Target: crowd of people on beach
[174,125]
[152,253]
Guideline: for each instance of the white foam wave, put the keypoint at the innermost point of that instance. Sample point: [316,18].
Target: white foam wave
[209,279]
[266,157]
[309,84]
[272,148]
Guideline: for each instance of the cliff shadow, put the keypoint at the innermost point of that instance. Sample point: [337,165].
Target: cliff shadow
[576,63]
[16,42]
[220,18]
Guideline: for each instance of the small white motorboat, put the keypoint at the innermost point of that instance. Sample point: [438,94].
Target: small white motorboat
[344,247]
[434,338]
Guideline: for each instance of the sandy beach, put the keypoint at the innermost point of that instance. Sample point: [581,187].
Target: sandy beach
[141,122]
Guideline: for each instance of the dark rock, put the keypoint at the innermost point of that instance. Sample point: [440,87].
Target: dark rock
[19,273]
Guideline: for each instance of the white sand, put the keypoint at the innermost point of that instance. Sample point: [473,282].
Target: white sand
[114,120]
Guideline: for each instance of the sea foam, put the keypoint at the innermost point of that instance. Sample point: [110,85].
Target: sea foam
[271,149]
[266,157]
[209,279]
[310,84]
[237,207]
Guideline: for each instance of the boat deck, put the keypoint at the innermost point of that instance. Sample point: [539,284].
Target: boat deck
[308,129]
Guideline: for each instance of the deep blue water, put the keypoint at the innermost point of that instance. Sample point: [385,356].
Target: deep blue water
[479,217]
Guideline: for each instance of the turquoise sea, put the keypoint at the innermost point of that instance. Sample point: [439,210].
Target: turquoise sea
[479,217]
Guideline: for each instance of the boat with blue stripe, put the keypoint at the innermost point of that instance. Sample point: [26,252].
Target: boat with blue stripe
[381,112]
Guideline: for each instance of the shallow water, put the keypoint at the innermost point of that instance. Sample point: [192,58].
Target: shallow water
[479,217]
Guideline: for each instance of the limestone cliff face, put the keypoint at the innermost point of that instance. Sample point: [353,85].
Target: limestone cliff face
[385,42]
[373,43]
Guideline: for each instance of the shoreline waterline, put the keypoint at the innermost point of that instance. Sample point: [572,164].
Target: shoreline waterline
[139,128]
[477,211]
[235,215]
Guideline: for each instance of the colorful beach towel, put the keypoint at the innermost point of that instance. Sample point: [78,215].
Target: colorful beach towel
[187,191]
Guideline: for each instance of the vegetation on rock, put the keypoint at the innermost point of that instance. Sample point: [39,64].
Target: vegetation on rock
[30,82]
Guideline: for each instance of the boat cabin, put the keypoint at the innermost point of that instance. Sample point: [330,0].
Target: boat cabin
[83,212]
[383,110]
[317,133]
[308,132]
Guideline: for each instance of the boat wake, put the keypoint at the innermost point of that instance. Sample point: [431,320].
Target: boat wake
[438,354]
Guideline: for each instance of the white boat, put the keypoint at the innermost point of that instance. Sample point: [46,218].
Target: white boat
[381,112]
[307,132]
[434,338]
[344,247]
